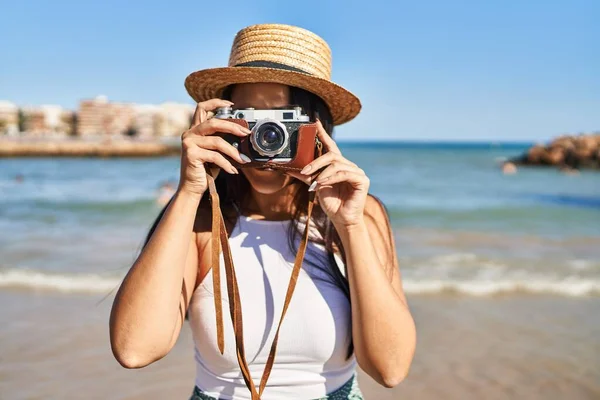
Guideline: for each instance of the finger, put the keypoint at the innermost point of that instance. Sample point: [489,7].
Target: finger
[356,179]
[219,144]
[220,125]
[217,159]
[208,105]
[327,140]
[323,161]
[304,178]
[199,115]
[334,169]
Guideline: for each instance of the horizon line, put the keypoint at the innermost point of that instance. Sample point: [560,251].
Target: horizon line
[440,141]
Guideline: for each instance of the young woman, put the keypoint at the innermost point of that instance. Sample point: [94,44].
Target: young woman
[348,306]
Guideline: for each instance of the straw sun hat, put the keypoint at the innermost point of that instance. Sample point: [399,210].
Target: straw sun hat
[281,54]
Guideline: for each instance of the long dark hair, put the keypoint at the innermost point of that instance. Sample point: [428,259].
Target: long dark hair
[233,188]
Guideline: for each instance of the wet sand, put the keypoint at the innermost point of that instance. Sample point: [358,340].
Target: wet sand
[56,346]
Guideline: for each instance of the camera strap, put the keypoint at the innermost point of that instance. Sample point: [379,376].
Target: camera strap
[220,242]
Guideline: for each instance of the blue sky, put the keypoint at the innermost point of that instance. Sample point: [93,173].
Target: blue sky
[426,70]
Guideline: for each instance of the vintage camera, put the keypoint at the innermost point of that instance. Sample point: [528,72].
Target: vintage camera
[274,133]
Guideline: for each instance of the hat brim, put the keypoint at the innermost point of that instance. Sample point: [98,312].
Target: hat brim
[209,84]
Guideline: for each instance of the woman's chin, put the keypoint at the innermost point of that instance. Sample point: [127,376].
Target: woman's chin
[267,180]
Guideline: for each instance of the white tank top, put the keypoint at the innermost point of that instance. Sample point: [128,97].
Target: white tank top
[313,341]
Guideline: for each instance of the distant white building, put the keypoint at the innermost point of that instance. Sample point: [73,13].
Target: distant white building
[9,118]
[99,116]
[44,120]
[52,117]
[146,120]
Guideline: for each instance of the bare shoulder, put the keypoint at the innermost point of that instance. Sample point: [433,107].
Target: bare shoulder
[382,237]
[376,217]
[380,230]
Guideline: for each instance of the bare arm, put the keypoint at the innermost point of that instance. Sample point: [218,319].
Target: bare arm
[383,329]
[149,308]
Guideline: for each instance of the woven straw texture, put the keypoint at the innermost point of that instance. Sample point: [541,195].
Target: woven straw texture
[282,44]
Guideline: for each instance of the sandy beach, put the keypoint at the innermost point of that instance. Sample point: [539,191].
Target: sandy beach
[520,347]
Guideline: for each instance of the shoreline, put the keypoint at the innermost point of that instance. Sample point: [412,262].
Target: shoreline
[83,147]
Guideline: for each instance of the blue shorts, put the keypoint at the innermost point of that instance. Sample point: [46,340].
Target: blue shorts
[348,391]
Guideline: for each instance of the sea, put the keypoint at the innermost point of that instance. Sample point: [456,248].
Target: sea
[502,272]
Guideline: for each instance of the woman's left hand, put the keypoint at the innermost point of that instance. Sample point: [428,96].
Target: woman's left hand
[342,187]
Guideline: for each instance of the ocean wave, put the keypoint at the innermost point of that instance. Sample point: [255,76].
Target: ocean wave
[47,211]
[574,287]
[582,265]
[121,206]
[67,283]
[93,284]
[78,191]
[476,275]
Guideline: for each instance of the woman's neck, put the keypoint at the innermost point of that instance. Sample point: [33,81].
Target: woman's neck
[277,206]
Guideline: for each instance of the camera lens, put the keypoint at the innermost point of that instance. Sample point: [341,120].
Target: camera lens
[270,138]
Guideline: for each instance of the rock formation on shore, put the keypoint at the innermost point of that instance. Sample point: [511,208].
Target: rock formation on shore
[567,151]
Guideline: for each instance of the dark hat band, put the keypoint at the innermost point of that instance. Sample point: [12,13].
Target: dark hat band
[271,64]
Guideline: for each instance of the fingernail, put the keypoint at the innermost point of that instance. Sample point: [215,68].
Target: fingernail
[245,130]
[233,170]
[321,180]
[312,186]
[245,158]
[306,169]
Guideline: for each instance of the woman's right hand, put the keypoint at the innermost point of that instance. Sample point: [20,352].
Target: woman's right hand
[199,146]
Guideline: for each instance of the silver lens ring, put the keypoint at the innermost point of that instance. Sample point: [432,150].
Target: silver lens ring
[256,129]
